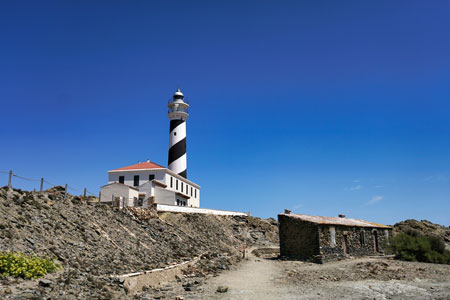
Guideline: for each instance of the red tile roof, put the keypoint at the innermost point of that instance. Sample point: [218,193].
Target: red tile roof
[141,166]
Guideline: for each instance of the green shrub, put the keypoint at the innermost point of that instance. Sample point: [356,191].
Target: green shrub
[412,246]
[25,266]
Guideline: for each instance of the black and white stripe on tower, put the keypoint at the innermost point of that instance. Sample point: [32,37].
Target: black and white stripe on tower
[178,114]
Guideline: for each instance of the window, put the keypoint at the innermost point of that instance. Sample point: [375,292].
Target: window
[362,238]
[151,177]
[195,190]
[174,133]
[171,181]
[181,186]
[121,179]
[333,237]
[176,186]
[141,200]
[136,180]
[181,202]
[191,191]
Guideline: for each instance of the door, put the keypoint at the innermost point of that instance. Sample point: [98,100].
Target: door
[345,244]
[375,241]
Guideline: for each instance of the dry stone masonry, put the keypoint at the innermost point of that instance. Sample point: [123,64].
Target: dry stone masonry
[322,239]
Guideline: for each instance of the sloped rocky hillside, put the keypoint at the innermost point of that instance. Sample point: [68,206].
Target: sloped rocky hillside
[94,241]
[425,227]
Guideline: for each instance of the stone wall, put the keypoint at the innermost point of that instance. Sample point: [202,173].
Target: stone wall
[313,242]
[298,239]
[359,241]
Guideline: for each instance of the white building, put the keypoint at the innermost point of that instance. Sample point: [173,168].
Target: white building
[144,183]
[150,183]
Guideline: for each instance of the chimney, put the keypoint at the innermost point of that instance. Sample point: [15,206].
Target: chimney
[148,159]
[287,211]
[341,216]
[139,161]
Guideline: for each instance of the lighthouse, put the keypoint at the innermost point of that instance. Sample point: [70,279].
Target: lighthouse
[178,114]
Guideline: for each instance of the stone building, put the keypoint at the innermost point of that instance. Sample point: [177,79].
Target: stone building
[322,239]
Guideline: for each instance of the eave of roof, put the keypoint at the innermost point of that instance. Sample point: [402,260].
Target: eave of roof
[146,165]
[125,185]
[128,170]
[159,183]
[182,195]
[182,178]
[336,221]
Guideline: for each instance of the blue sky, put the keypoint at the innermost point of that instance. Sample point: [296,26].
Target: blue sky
[321,107]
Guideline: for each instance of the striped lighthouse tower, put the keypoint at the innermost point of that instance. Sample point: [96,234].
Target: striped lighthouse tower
[178,114]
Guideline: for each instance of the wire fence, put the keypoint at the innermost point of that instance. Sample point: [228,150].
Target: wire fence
[42,181]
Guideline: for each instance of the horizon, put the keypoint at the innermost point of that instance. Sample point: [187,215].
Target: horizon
[321,108]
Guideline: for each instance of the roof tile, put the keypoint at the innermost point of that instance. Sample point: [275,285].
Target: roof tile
[141,166]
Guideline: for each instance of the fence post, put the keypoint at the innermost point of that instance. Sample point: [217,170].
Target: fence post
[99,196]
[42,185]
[112,201]
[84,194]
[10,179]
[65,192]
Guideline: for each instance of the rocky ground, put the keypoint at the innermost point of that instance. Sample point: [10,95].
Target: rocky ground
[371,278]
[259,278]
[93,242]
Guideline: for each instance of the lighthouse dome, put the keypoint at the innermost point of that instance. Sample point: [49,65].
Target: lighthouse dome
[178,94]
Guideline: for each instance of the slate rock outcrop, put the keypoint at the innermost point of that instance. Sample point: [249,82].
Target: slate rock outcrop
[93,242]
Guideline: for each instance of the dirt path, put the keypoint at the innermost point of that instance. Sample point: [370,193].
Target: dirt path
[255,279]
[266,279]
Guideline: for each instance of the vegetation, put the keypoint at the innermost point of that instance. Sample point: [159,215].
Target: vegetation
[25,266]
[412,246]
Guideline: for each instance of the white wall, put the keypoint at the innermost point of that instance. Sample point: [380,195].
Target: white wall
[162,176]
[164,196]
[129,176]
[147,188]
[193,201]
[185,209]
[118,190]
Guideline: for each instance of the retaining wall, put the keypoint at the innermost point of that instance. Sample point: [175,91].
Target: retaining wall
[196,210]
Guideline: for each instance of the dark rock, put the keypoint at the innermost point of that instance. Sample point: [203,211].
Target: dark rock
[222,289]
[190,288]
[45,283]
